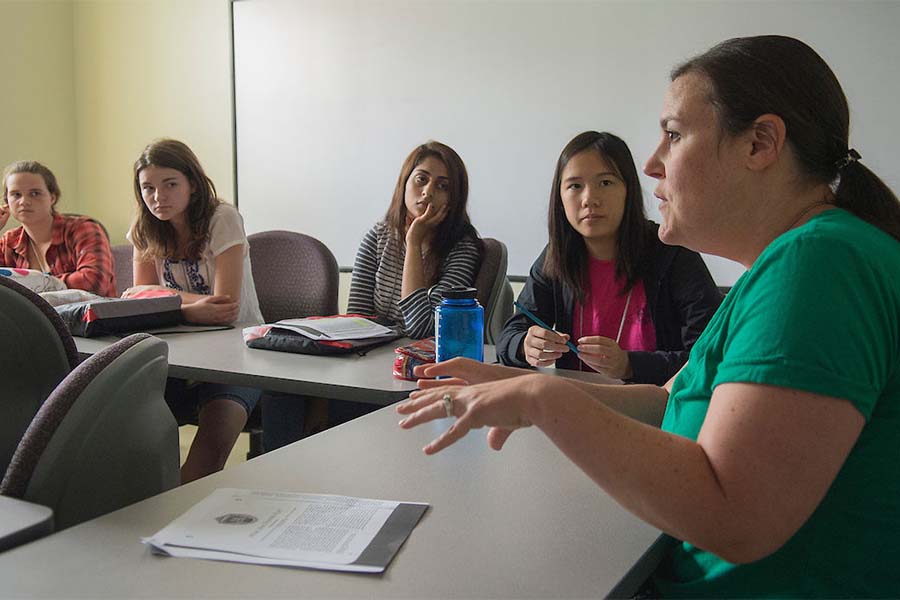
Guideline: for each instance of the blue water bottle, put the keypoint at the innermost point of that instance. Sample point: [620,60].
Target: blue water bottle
[459,325]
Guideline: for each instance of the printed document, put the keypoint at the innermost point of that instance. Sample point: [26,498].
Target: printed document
[316,531]
[335,328]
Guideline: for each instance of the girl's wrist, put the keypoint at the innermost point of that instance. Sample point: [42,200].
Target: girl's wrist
[537,398]
[413,248]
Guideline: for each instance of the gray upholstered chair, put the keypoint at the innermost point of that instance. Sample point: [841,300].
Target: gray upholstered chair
[36,353]
[103,439]
[102,226]
[295,275]
[494,291]
[123,257]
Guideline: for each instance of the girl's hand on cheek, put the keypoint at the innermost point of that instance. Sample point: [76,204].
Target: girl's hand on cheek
[423,225]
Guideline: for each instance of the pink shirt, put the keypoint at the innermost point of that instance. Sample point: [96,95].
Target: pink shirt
[602,313]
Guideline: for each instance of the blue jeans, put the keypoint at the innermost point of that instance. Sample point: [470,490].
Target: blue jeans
[284,417]
[185,398]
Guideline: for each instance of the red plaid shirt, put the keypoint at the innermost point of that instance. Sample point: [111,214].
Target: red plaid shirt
[79,254]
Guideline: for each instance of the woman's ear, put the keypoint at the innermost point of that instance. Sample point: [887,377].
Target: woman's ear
[768,134]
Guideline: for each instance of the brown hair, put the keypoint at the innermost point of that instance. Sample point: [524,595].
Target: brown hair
[32,166]
[157,239]
[456,225]
[773,74]
[566,260]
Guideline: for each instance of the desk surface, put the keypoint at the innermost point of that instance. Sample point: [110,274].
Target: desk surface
[524,522]
[222,357]
[21,522]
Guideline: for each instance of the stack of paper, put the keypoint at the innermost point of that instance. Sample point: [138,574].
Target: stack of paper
[316,531]
[335,328]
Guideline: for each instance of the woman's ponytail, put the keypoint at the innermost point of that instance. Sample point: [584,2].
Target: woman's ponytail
[863,193]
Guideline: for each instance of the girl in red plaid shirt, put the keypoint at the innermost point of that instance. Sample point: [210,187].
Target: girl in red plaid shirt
[73,248]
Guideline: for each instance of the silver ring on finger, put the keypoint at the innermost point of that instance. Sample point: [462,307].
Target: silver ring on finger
[448,405]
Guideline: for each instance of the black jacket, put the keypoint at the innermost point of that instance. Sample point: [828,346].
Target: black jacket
[681,298]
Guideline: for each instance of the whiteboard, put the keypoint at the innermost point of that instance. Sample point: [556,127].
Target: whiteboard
[331,95]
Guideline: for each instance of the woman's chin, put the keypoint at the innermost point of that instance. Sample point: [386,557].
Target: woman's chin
[666,234]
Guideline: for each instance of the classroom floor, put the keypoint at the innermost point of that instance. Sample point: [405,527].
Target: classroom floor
[238,453]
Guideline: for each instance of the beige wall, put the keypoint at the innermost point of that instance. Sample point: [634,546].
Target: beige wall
[146,69]
[37,105]
[88,83]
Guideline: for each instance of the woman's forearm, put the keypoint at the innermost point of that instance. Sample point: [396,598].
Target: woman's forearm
[413,271]
[664,479]
[760,447]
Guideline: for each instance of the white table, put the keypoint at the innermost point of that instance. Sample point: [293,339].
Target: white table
[524,522]
[22,522]
[222,357]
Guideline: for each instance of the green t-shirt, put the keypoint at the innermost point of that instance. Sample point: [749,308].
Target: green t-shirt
[819,311]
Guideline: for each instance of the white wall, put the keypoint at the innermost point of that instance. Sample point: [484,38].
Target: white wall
[332,94]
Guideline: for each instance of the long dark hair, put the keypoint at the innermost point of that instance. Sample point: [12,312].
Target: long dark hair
[779,75]
[567,256]
[456,225]
[157,239]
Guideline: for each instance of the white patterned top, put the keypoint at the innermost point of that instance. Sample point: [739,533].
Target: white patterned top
[226,229]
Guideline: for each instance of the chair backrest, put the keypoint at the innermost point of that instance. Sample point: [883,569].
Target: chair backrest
[102,226]
[36,352]
[105,437]
[295,275]
[494,291]
[123,265]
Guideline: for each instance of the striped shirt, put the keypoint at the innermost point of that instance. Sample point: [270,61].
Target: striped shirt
[378,278]
[79,254]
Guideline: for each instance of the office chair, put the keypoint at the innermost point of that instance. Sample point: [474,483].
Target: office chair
[103,439]
[102,226]
[295,276]
[123,264]
[37,353]
[494,291]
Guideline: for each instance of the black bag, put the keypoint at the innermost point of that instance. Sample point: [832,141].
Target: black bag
[107,316]
[269,337]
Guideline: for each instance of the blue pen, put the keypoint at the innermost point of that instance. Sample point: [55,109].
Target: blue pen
[540,323]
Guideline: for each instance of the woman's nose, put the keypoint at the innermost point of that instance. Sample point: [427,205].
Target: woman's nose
[654,167]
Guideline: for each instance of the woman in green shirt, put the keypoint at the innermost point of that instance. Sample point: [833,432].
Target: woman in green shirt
[777,463]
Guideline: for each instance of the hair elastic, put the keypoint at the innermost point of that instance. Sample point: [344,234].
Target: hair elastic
[851,157]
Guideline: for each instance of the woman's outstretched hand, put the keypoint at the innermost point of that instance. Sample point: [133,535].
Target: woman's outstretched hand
[503,405]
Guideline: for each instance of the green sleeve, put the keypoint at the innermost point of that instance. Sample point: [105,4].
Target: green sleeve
[804,324]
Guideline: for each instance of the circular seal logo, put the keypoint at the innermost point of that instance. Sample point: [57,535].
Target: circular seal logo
[236,519]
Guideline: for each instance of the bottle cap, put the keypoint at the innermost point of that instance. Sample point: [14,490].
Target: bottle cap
[460,293]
